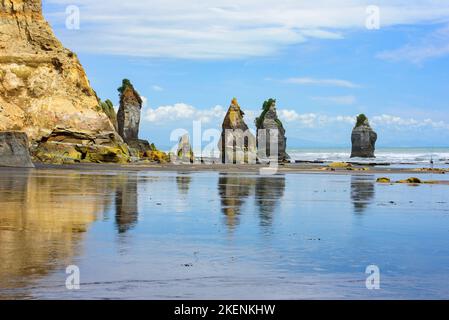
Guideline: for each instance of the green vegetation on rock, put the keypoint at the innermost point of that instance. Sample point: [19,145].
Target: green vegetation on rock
[125,84]
[265,108]
[127,89]
[107,106]
[361,118]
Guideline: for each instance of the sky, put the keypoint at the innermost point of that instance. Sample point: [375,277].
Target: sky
[323,61]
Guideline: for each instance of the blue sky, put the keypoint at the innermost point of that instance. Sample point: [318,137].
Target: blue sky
[188,59]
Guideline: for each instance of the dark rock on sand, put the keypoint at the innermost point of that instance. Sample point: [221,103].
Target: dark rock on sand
[269,127]
[363,139]
[237,144]
[14,151]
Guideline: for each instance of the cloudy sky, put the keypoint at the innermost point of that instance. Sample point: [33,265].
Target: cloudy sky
[324,61]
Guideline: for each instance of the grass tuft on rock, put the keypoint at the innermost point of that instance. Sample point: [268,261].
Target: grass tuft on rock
[361,118]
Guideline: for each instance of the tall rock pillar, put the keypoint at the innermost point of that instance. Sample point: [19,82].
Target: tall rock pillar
[363,139]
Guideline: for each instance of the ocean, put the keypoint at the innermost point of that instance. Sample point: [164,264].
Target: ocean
[399,156]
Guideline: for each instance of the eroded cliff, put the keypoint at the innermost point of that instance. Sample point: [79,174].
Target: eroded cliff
[42,84]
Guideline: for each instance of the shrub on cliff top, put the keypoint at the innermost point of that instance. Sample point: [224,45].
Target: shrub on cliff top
[266,106]
[361,118]
[126,84]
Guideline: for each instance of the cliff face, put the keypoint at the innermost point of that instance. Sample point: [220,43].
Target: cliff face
[42,84]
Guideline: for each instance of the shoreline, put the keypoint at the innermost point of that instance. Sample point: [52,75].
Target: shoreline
[240,168]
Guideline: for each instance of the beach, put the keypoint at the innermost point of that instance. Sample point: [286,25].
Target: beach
[221,232]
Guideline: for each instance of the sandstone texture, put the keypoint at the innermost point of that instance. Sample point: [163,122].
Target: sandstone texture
[42,84]
[14,151]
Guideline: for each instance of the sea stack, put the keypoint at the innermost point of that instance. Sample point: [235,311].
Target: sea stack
[363,139]
[14,151]
[42,84]
[237,144]
[184,152]
[269,127]
[128,118]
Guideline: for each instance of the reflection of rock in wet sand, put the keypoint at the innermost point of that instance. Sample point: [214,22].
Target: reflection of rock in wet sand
[126,202]
[269,190]
[42,218]
[362,192]
[183,183]
[234,190]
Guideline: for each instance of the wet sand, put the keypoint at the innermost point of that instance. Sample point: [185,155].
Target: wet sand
[244,168]
[436,177]
[137,232]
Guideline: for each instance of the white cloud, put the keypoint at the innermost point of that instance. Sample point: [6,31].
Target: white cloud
[407,123]
[312,120]
[182,111]
[144,101]
[323,82]
[167,115]
[157,88]
[434,45]
[223,29]
[340,100]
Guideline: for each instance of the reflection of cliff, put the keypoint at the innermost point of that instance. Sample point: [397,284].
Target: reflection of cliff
[362,192]
[126,203]
[269,190]
[42,219]
[234,190]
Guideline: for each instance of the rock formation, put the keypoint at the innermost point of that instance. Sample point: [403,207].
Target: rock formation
[128,116]
[128,120]
[269,127]
[184,152]
[63,146]
[42,84]
[363,139]
[237,144]
[14,150]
